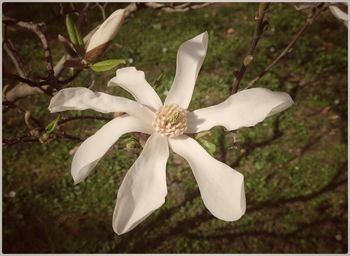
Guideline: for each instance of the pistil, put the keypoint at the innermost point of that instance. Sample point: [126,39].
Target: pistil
[170,120]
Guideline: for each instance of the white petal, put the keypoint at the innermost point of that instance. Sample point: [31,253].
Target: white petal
[190,57]
[94,147]
[107,31]
[221,187]
[134,82]
[80,98]
[339,14]
[144,188]
[243,109]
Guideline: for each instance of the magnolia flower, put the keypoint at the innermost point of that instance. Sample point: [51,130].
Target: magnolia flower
[104,34]
[144,188]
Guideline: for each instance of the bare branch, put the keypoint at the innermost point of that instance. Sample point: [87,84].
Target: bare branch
[74,118]
[17,140]
[287,49]
[170,7]
[260,25]
[82,14]
[38,29]
[102,8]
[16,60]
[70,79]
[22,89]
[26,80]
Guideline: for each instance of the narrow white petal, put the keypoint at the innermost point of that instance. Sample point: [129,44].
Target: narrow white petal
[80,98]
[94,148]
[221,187]
[243,109]
[190,57]
[135,83]
[144,188]
[107,30]
[339,14]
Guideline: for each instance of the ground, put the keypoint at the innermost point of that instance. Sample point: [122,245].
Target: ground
[294,163]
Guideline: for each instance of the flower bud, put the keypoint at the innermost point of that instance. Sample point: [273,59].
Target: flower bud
[44,139]
[247,60]
[103,35]
[27,119]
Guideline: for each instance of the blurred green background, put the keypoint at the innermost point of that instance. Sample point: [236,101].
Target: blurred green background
[294,163]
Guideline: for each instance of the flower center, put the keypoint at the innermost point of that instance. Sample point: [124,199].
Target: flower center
[170,120]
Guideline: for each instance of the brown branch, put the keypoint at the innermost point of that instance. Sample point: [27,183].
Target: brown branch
[68,119]
[70,79]
[40,85]
[287,49]
[21,110]
[13,141]
[25,80]
[36,137]
[102,8]
[22,89]
[26,138]
[14,56]
[185,8]
[70,137]
[39,30]
[170,7]
[260,25]
[82,14]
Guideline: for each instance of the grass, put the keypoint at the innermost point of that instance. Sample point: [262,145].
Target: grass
[294,163]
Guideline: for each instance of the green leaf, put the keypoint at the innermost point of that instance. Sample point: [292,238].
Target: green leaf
[202,134]
[210,147]
[106,65]
[71,30]
[79,37]
[75,35]
[52,125]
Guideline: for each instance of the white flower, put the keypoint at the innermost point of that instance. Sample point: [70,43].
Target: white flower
[144,188]
[104,34]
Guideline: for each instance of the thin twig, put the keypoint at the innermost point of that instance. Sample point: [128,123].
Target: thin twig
[102,9]
[31,83]
[26,80]
[23,89]
[170,7]
[82,14]
[68,119]
[286,50]
[260,25]
[21,110]
[71,137]
[38,29]
[16,60]
[93,80]
[13,141]
[71,78]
